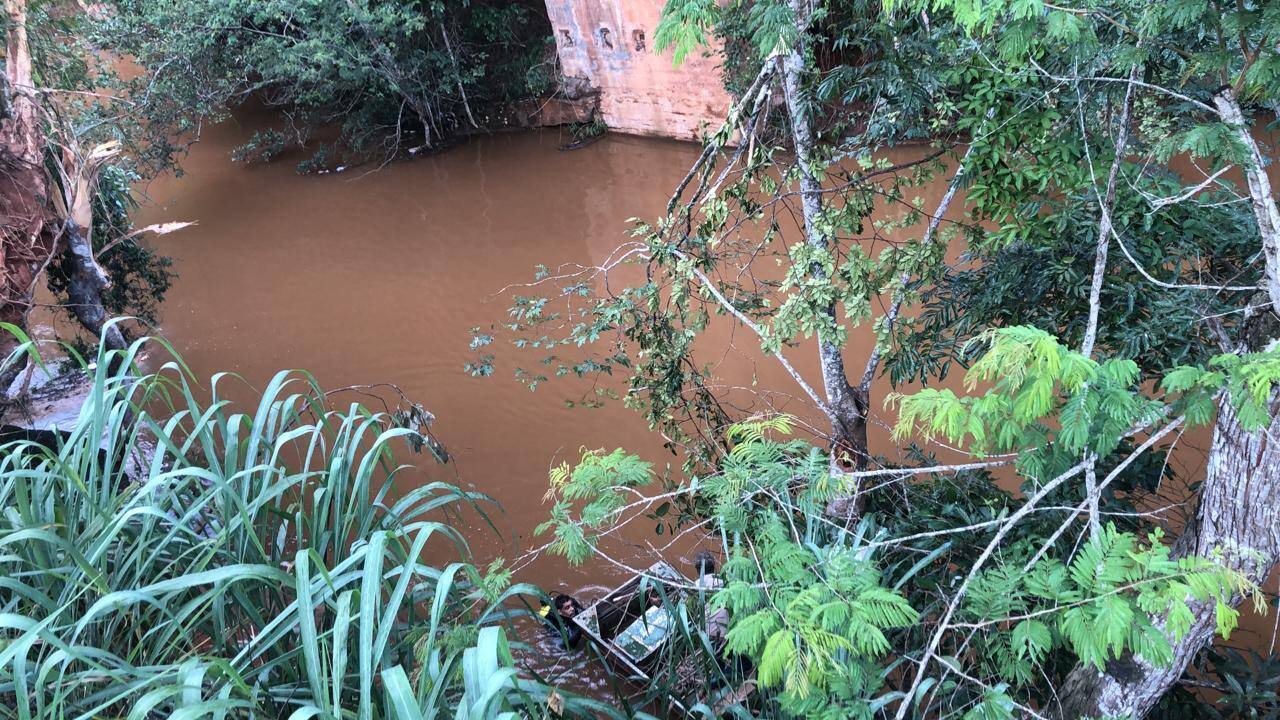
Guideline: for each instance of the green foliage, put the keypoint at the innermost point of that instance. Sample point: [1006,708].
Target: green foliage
[1100,606]
[1046,402]
[385,72]
[1043,121]
[651,330]
[1248,380]
[1244,685]
[995,705]
[600,479]
[821,609]
[73,77]
[810,611]
[1116,596]
[1033,94]
[1157,327]
[1050,404]
[818,624]
[1036,383]
[685,26]
[172,556]
[582,132]
[893,62]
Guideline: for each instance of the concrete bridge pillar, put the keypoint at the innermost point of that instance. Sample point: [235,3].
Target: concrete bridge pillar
[607,46]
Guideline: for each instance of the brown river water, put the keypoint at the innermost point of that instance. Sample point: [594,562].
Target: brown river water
[378,277]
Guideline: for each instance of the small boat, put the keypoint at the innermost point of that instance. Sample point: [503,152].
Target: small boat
[628,632]
[642,642]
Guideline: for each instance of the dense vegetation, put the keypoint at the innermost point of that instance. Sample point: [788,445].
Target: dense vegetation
[173,557]
[392,76]
[1105,185]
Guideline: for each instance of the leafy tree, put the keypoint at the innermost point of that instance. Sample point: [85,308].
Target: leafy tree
[1115,286]
[822,609]
[1173,82]
[732,221]
[387,72]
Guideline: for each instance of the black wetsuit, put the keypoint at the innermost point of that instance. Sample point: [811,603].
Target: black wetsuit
[563,629]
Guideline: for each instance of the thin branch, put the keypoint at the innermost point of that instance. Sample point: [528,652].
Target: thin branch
[1115,472]
[944,623]
[742,318]
[1174,286]
[1173,200]
[1106,203]
[899,295]
[758,85]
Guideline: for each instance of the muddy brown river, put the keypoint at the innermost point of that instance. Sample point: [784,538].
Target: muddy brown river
[378,277]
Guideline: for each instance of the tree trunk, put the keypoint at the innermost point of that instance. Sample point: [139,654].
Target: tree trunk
[848,405]
[25,243]
[1238,521]
[1263,202]
[85,284]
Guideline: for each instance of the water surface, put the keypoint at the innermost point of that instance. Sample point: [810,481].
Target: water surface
[378,275]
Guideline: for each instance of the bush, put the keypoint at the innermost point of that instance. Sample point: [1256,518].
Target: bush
[212,562]
[386,72]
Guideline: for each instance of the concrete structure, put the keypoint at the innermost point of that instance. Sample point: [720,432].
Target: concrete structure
[607,46]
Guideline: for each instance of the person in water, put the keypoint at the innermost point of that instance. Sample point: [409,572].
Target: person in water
[560,623]
[708,583]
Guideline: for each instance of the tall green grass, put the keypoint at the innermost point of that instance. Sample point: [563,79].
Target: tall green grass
[254,564]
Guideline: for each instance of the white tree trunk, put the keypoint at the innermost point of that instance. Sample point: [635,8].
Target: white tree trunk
[848,406]
[1238,518]
[1238,521]
[1263,202]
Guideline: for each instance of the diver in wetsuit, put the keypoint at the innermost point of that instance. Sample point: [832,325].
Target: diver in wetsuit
[560,623]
